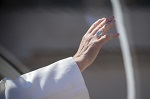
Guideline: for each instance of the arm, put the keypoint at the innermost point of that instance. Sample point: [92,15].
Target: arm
[62,79]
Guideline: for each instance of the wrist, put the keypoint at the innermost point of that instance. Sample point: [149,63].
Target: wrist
[79,62]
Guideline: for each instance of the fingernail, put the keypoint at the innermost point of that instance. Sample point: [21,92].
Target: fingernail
[111,17]
[117,34]
[113,21]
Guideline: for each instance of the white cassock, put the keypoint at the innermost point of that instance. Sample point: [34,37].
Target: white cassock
[60,80]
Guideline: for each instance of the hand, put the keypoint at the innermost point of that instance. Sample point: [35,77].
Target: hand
[91,42]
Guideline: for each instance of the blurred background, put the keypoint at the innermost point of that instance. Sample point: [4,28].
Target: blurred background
[36,33]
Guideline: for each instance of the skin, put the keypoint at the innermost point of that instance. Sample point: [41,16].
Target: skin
[91,43]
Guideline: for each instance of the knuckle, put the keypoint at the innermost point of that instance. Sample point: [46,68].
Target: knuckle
[103,29]
[104,37]
[100,25]
[96,29]
[86,37]
[94,25]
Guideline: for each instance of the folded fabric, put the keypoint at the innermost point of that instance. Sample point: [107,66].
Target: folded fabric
[60,80]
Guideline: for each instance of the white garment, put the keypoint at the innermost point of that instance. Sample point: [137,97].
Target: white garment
[60,80]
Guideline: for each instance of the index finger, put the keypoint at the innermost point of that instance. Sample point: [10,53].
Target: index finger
[95,24]
[99,22]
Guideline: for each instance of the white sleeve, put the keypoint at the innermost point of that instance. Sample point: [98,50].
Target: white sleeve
[60,80]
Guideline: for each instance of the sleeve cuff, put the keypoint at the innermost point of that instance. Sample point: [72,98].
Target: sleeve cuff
[60,80]
[77,81]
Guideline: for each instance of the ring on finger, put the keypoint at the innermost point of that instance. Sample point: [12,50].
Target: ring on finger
[98,33]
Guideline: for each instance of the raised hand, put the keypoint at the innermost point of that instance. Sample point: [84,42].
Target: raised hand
[92,42]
